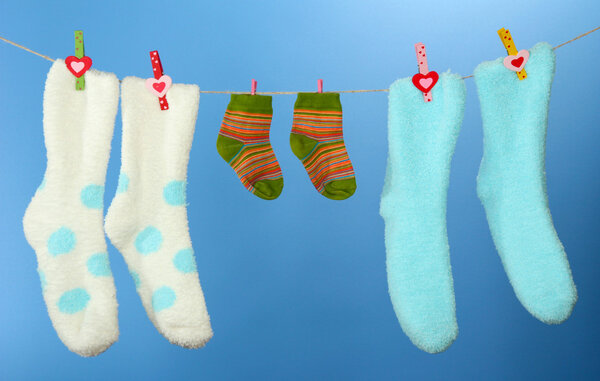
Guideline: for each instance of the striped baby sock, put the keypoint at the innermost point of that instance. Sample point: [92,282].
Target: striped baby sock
[244,143]
[512,184]
[63,222]
[147,219]
[317,140]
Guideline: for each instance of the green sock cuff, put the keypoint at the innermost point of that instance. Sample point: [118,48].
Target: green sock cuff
[319,101]
[251,103]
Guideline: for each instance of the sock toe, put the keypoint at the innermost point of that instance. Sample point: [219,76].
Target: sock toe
[87,349]
[190,337]
[434,338]
[340,189]
[92,338]
[268,189]
[554,308]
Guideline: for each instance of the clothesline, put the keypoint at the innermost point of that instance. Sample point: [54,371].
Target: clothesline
[285,92]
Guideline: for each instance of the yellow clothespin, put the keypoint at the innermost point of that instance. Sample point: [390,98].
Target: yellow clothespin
[516,59]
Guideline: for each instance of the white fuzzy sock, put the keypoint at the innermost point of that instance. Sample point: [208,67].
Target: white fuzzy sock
[63,222]
[147,220]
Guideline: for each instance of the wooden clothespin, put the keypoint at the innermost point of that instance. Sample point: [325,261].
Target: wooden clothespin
[319,86]
[160,84]
[424,80]
[79,63]
[253,87]
[516,60]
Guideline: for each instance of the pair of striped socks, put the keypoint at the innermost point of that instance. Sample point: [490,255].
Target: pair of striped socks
[316,139]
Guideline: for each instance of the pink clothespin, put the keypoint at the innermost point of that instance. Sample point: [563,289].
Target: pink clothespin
[319,86]
[253,89]
[425,79]
[160,84]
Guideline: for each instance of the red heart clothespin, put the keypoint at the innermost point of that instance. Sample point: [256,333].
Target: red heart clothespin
[79,63]
[424,80]
[319,86]
[253,87]
[160,84]
[516,59]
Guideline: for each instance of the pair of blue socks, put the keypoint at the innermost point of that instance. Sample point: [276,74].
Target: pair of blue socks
[511,185]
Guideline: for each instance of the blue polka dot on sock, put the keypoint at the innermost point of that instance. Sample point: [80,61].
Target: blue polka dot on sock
[123,183]
[163,298]
[92,196]
[184,261]
[174,193]
[148,240]
[136,279]
[61,241]
[73,301]
[98,265]
[43,280]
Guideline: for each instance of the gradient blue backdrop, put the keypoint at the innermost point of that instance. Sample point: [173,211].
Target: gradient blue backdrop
[296,288]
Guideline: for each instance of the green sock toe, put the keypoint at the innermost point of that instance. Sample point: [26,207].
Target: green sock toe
[268,189]
[340,189]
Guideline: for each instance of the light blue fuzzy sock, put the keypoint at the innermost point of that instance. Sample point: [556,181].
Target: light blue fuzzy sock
[512,184]
[422,137]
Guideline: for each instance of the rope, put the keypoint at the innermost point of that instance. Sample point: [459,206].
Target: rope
[289,92]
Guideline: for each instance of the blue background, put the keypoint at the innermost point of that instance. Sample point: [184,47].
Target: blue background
[296,287]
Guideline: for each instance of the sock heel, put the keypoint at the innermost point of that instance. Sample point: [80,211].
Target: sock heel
[301,145]
[228,147]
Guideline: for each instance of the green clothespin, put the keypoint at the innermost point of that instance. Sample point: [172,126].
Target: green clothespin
[79,63]
[79,53]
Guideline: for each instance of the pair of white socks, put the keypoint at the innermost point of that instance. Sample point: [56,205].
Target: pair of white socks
[146,222]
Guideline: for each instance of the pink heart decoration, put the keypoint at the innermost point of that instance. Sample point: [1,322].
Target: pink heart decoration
[425,82]
[159,87]
[516,63]
[78,66]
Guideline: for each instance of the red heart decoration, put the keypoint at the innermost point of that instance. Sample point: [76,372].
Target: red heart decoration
[159,86]
[78,66]
[425,82]
[517,62]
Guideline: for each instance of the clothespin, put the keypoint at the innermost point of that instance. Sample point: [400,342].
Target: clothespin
[319,86]
[253,88]
[516,60]
[160,84]
[424,80]
[79,63]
